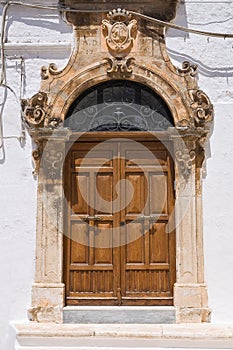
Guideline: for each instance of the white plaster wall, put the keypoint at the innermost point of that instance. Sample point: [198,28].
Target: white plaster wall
[18,188]
[17,185]
[214,57]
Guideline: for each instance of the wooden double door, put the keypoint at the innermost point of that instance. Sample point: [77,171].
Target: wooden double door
[119,247]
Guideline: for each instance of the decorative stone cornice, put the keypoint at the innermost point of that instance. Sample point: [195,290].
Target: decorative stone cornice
[161,9]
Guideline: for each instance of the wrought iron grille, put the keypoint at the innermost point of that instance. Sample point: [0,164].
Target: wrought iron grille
[119,106]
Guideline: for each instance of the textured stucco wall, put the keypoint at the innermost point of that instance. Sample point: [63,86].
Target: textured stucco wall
[18,188]
[214,57]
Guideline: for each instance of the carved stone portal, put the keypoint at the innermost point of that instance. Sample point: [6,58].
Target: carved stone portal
[120,47]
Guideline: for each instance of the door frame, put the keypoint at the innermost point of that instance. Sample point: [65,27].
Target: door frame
[190,291]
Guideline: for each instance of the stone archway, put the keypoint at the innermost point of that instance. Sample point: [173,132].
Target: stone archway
[144,60]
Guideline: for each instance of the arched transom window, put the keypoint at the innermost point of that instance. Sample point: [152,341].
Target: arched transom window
[119,105]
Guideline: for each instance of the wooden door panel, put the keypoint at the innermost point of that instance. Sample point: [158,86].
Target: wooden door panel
[79,253]
[145,265]
[78,204]
[159,244]
[135,243]
[135,182]
[158,201]
[104,193]
[82,158]
[103,241]
[89,284]
[146,283]
[125,257]
[91,257]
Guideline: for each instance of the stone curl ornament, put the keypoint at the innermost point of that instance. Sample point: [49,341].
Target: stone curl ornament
[34,109]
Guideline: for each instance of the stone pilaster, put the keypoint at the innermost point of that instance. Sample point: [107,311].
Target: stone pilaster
[48,289]
[190,291]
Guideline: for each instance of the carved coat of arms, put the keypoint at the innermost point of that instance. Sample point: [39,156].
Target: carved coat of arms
[120,32]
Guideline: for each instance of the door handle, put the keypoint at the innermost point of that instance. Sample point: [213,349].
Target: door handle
[92,218]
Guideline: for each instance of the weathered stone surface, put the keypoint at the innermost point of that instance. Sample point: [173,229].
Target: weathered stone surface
[32,336]
[161,9]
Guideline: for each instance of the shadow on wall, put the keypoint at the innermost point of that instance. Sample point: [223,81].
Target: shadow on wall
[38,18]
[205,70]
[38,26]
[178,56]
[180,19]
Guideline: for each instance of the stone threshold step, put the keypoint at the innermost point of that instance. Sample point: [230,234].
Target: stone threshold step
[119,314]
[49,336]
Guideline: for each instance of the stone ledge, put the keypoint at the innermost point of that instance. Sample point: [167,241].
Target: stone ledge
[32,335]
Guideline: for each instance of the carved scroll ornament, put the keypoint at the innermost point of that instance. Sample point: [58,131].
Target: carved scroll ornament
[120,65]
[188,68]
[120,32]
[36,155]
[34,109]
[202,107]
[47,71]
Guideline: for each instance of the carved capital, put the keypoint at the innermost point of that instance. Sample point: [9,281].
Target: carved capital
[121,66]
[34,109]
[120,32]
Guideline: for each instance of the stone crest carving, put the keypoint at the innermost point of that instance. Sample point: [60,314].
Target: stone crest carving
[120,32]
[34,109]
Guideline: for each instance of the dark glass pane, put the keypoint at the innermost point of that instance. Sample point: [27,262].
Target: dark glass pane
[119,106]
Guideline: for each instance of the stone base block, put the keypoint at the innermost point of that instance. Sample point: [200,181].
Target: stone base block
[192,315]
[190,295]
[191,302]
[47,303]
